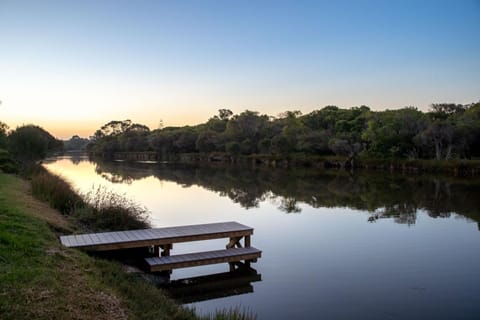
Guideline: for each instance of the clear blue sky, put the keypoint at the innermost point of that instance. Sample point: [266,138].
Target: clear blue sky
[71,66]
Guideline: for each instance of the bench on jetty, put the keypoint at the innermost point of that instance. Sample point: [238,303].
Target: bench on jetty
[162,240]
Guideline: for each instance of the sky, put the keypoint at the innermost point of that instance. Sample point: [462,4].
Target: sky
[72,66]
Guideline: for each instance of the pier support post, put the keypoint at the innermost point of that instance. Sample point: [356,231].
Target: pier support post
[166,250]
[247,241]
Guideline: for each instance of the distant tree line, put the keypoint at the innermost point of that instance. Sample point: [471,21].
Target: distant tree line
[446,131]
[76,143]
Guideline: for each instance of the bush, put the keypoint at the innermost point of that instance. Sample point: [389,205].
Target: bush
[56,191]
[30,143]
[107,210]
[6,163]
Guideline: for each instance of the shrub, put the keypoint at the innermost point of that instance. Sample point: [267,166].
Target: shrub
[107,210]
[55,190]
[6,163]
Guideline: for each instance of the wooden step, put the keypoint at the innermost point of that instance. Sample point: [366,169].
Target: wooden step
[202,258]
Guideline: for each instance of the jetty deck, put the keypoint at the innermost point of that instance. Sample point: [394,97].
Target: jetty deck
[156,236]
[162,240]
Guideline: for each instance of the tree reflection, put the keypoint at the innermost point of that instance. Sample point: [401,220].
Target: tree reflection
[396,197]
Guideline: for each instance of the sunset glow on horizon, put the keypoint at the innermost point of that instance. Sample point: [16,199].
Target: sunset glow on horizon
[71,67]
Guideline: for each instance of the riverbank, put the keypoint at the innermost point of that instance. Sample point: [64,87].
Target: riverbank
[40,279]
[453,167]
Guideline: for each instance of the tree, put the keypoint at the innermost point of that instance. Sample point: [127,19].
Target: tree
[390,133]
[346,148]
[224,114]
[116,127]
[440,134]
[233,148]
[76,143]
[3,134]
[30,143]
[207,141]
[292,128]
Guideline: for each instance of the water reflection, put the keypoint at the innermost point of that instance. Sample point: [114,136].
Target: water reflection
[219,285]
[336,247]
[396,197]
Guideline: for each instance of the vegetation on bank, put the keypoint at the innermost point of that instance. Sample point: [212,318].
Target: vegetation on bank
[98,210]
[447,131]
[41,279]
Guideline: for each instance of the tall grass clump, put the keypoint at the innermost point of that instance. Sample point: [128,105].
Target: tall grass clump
[54,190]
[231,314]
[107,210]
[98,210]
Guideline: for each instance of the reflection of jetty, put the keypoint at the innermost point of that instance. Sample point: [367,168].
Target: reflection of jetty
[219,285]
[162,240]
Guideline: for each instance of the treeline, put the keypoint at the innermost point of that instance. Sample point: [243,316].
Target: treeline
[446,131]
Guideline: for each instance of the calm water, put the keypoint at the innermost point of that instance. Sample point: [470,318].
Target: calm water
[335,245]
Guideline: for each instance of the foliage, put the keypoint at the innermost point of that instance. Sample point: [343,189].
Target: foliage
[3,134]
[447,131]
[76,143]
[6,162]
[30,143]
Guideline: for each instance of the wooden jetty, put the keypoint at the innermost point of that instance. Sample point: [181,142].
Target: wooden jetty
[162,240]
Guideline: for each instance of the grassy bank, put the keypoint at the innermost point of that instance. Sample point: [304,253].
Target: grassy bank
[98,210]
[40,279]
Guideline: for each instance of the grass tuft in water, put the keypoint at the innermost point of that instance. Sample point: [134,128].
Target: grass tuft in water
[231,314]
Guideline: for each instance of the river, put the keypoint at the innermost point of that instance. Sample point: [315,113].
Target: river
[336,245]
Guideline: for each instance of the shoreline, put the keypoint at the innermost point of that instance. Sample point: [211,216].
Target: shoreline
[464,168]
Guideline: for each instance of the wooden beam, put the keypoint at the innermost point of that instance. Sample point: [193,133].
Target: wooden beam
[202,258]
[234,241]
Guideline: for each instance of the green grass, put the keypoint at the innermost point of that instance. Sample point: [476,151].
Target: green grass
[40,279]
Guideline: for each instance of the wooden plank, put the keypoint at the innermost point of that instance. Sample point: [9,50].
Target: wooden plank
[157,236]
[65,240]
[202,258]
[96,238]
[88,238]
[80,240]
